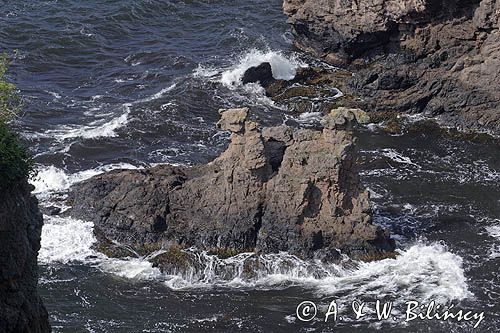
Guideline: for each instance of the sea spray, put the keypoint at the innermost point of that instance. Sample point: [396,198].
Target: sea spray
[424,272]
[283,67]
[50,178]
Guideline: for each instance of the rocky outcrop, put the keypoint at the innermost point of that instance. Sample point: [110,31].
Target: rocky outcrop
[21,309]
[273,189]
[441,57]
[262,73]
[313,89]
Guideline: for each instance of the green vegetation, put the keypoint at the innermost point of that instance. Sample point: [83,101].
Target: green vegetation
[15,162]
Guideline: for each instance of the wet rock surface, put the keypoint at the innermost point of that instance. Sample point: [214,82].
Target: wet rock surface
[440,58]
[313,89]
[273,189]
[21,309]
[262,74]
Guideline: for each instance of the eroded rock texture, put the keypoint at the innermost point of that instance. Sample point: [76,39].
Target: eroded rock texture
[440,57]
[273,189]
[21,309]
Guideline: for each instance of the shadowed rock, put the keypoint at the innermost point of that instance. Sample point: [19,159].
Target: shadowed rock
[276,189]
[21,309]
[262,73]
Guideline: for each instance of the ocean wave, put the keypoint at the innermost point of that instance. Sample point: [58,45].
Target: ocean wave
[158,95]
[283,67]
[99,128]
[51,178]
[422,271]
[94,130]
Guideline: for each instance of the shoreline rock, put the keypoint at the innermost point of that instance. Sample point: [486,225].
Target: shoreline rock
[273,189]
[440,58]
[21,309]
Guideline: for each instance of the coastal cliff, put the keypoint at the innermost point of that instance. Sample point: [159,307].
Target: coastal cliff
[21,309]
[273,189]
[440,58]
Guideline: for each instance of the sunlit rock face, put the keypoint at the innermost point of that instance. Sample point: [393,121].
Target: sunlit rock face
[436,57]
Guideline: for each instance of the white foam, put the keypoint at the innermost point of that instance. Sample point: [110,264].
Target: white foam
[94,130]
[50,178]
[66,240]
[158,95]
[54,94]
[423,272]
[397,157]
[283,67]
[309,118]
[133,268]
[494,231]
[205,72]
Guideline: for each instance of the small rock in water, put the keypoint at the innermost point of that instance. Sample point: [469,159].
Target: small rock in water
[53,210]
[262,74]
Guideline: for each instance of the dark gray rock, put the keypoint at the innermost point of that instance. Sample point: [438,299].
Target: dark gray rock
[21,309]
[262,74]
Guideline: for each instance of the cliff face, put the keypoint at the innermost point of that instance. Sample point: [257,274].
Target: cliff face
[440,57]
[273,189]
[21,309]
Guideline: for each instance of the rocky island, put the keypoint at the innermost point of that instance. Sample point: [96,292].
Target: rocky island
[273,189]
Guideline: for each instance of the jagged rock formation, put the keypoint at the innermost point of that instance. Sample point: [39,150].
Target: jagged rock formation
[21,309]
[440,57]
[273,189]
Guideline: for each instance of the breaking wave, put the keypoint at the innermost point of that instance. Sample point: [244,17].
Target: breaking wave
[283,67]
[94,130]
[50,178]
[422,271]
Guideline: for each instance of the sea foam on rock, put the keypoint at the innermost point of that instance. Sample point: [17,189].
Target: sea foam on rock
[273,189]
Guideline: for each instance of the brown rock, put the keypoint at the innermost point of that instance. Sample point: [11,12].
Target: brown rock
[232,120]
[276,189]
[440,58]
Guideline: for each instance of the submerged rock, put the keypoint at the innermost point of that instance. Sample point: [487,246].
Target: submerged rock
[439,58]
[21,309]
[273,189]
